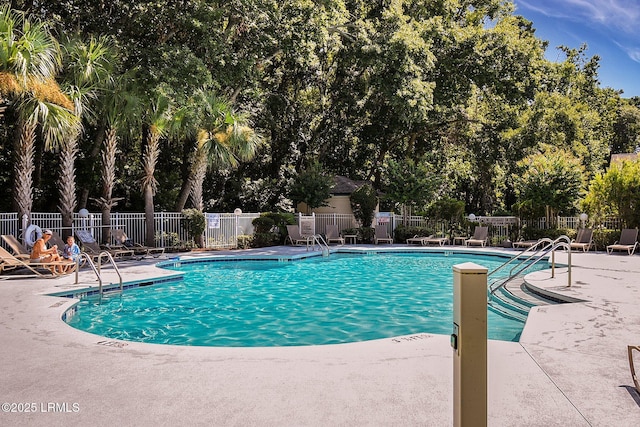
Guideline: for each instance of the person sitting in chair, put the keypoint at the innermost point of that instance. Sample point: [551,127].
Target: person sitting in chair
[40,253]
[71,251]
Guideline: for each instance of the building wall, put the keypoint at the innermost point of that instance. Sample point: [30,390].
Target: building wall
[338,204]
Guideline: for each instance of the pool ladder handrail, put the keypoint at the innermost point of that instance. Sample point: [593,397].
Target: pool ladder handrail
[537,247]
[97,269]
[319,240]
[544,246]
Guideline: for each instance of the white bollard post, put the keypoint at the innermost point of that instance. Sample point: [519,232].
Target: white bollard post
[469,342]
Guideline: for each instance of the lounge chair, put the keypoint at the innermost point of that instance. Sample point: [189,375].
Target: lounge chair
[418,239]
[5,267]
[332,234]
[91,247]
[121,238]
[480,237]
[634,376]
[19,250]
[382,235]
[57,240]
[436,240]
[10,262]
[295,237]
[584,240]
[628,241]
[524,244]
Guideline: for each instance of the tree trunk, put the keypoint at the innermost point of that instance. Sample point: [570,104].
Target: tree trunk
[83,189]
[185,191]
[108,179]
[148,216]
[106,223]
[199,172]
[67,184]
[23,169]
[186,174]
[149,184]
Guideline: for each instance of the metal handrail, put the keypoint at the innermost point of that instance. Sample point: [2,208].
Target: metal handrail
[93,267]
[317,238]
[545,242]
[561,242]
[97,269]
[540,242]
[115,267]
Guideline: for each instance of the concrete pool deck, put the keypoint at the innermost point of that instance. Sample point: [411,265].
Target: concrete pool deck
[570,367]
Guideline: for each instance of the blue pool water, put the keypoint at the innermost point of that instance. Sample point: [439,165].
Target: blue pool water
[342,298]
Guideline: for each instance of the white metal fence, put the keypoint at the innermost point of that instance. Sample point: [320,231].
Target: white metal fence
[571,222]
[223,229]
[343,221]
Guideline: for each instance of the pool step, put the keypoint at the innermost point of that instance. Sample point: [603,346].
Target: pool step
[514,300]
[504,311]
[518,288]
[503,304]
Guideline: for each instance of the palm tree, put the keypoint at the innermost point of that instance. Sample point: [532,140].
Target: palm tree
[157,120]
[28,53]
[118,108]
[29,59]
[87,74]
[223,139]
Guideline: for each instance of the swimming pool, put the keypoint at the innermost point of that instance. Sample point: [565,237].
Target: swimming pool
[320,300]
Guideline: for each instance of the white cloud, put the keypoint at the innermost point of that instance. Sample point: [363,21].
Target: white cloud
[634,53]
[623,15]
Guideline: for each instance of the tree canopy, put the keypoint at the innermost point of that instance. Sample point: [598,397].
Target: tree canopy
[458,89]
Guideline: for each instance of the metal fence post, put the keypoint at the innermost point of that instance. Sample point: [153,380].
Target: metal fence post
[25,221]
[162,228]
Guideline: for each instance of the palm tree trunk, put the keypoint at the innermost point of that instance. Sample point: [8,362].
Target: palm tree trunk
[108,179]
[91,158]
[183,196]
[198,174]
[186,174]
[24,167]
[149,184]
[67,183]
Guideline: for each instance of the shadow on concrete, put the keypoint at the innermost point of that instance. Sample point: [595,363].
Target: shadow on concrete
[634,393]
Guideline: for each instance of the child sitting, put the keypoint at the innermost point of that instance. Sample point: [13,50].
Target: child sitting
[71,250]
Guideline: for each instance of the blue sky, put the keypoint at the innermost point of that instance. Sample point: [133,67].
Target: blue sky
[610,28]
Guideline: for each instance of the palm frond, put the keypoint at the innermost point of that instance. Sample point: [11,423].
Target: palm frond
[27,48]
[57,122]
[49,91]
[9,85]
[89,62]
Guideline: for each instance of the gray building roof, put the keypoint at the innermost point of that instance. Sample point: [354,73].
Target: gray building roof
[623,156]
[345,186]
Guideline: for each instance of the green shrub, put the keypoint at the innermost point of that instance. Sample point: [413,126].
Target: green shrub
[605,237]
[271,228]
[404,232]
[363,203]
[281,220]
[365,234]
[195,223]
[245,241]
[263,224]
[168,240]
[261,240]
